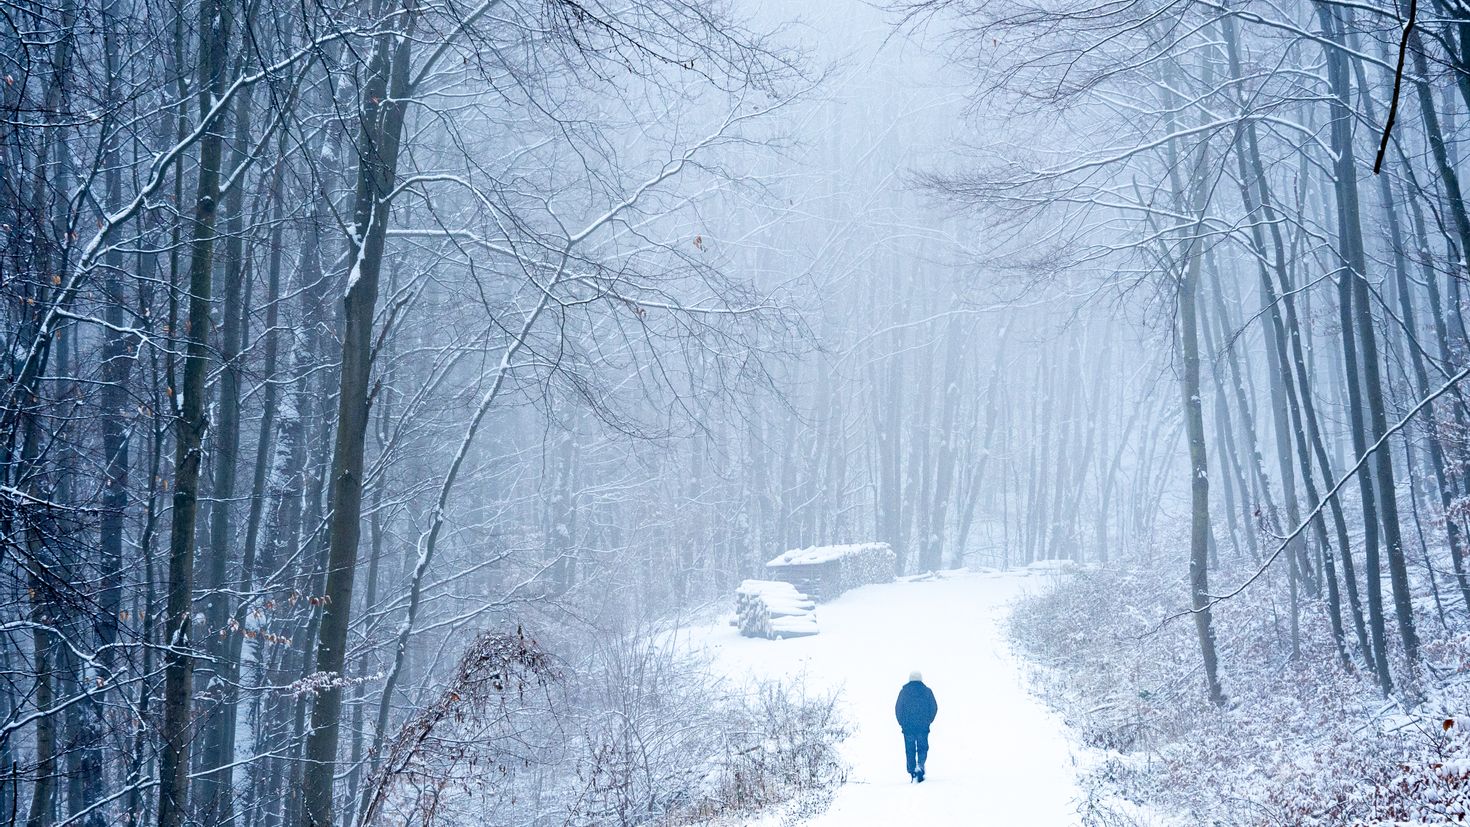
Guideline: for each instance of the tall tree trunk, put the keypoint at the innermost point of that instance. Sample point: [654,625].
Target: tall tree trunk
[1351,229]
[1194,425]
[1444,165]
[1286,336]
[173,788]
[264,450]
[216,786]
[1443,483]
[890,457]
[1224,428]
[383,109]
[43,791]
[117,367]
[978,474]
[1349,253]
[946,450]
[1253,472]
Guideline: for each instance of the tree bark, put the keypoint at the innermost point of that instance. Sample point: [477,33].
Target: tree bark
[189,423]
[216,786]
[1351,232]
[1194,423]
[383,112]
[1349,238]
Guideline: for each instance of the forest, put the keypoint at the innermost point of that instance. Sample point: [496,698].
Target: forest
[388,384]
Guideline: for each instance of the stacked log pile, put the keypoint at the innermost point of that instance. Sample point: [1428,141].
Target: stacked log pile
[774,609]
[825,572]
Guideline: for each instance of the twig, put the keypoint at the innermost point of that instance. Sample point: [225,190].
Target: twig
[1398,80]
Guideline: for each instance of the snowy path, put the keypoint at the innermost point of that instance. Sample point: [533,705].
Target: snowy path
[997,756]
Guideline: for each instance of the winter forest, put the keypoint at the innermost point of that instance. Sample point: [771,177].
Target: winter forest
[588,412]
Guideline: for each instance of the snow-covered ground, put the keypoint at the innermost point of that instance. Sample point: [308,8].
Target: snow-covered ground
[997,756]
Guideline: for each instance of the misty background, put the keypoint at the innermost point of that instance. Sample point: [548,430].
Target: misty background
[385,382]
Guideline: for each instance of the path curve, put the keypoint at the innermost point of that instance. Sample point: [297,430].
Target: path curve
[997,755]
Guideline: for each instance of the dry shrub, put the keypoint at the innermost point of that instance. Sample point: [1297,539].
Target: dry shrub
[1301,743]
[459,745]
[669,744]
[633,732]
[780,749]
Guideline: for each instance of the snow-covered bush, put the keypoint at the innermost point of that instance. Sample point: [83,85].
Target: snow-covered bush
[666,744]
[636,732]
[779,751]
[1301,742]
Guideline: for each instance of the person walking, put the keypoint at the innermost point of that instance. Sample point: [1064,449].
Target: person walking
[915,711]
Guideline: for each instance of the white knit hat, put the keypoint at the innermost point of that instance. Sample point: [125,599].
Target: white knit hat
[916,675]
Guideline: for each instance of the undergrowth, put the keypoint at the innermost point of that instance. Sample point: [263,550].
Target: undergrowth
[1303,741]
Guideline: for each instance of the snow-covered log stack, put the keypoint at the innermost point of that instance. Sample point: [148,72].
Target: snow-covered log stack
[824,572]
[773,609]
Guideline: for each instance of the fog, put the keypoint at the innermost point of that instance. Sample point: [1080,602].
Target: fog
[541,412]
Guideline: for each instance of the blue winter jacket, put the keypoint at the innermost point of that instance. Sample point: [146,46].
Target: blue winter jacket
[916,707]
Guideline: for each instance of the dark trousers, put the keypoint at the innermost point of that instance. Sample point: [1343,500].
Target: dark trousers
[915,749]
